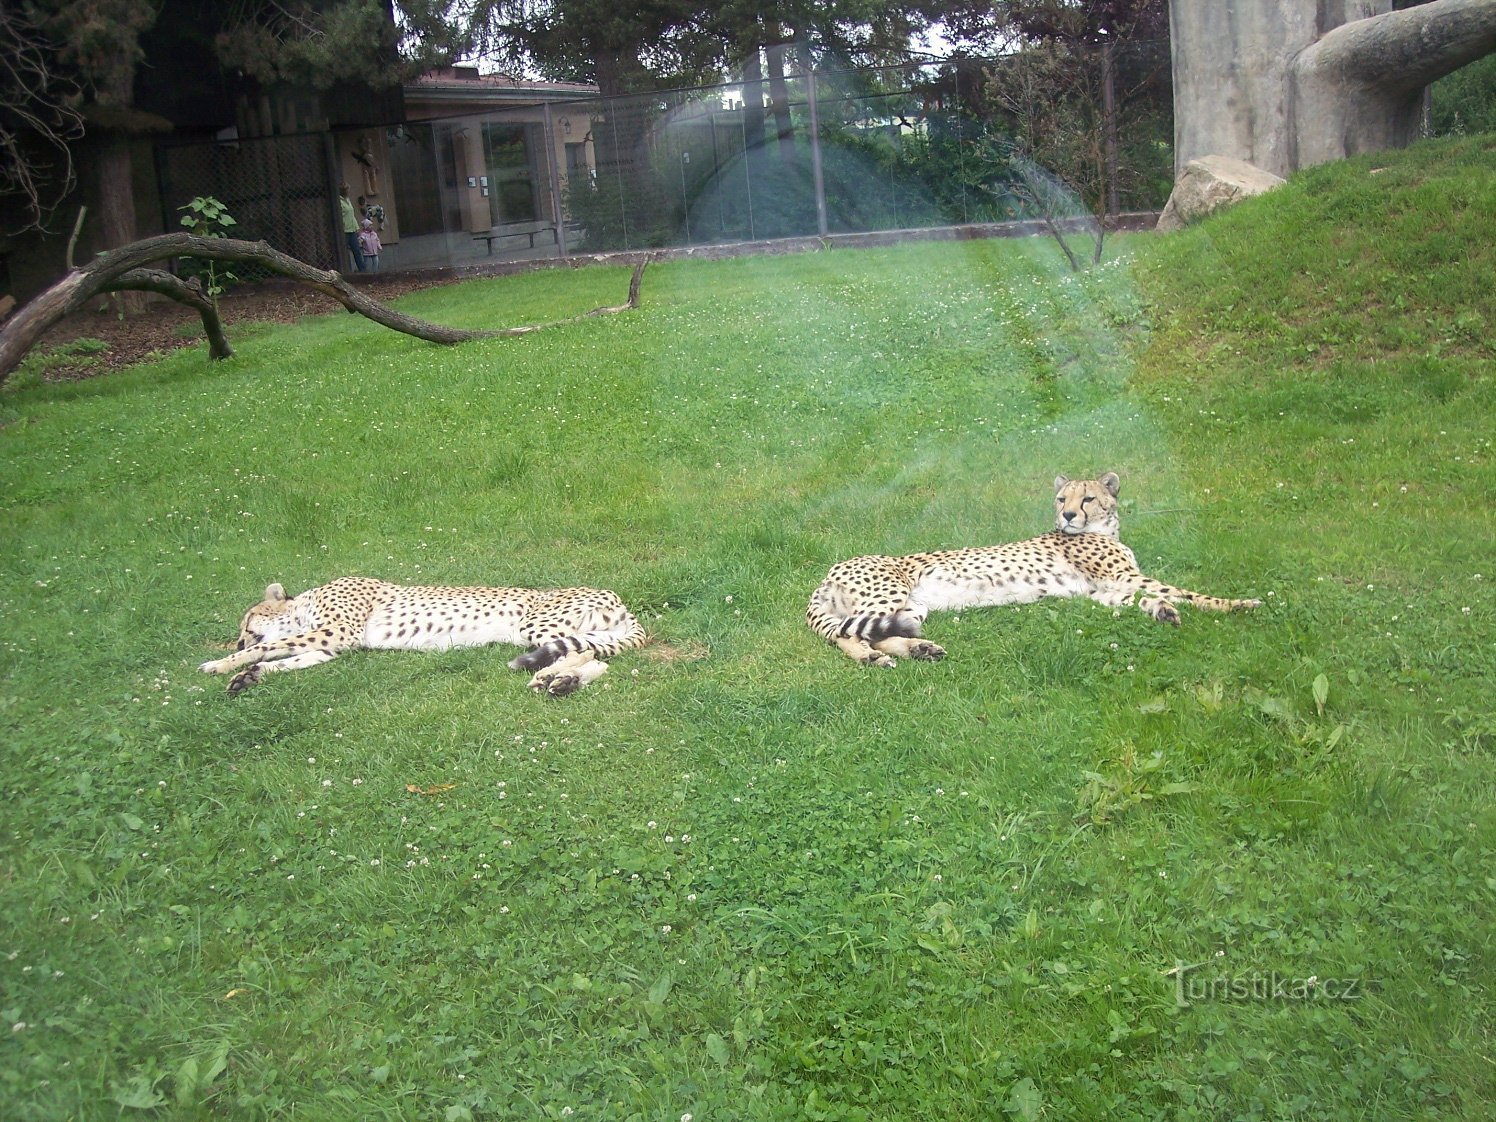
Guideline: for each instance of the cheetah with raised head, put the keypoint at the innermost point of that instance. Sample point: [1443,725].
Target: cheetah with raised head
[874,607]
[568,630]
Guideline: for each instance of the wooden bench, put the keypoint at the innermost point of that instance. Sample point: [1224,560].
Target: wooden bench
[522,231]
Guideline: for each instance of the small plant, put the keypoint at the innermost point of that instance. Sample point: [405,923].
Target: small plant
[1308,733]
[1129,783]
[208,218]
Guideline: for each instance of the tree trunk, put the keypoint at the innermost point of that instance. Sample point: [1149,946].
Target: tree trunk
[619,137]
[1286,84]
[122,269]
[1109,144]
[114,195]
[779,96]
[753,99]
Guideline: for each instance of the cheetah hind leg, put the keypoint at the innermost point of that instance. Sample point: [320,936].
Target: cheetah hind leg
[904,647]
[861,651]
[568,674]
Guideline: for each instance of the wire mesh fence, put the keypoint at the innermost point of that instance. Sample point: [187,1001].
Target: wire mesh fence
[809,153]
[279,189]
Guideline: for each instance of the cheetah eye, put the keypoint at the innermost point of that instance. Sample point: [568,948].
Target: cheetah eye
[1088,499]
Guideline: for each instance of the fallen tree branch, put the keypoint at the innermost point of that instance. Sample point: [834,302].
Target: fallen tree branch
[187,292]
[123,268]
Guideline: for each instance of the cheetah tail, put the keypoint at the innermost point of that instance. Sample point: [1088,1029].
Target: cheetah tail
[604,644]
[871,627]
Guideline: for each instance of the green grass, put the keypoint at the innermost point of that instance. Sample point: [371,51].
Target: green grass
[742,877]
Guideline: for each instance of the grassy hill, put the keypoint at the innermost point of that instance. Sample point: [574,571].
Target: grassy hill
[1088,866]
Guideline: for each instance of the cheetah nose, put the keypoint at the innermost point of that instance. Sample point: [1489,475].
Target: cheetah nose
[1070,515]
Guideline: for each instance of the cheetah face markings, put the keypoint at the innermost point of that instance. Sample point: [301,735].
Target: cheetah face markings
[267,619]
[874,608]
[1087,506]
[566,632]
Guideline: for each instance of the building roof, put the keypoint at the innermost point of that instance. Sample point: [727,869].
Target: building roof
[466,84]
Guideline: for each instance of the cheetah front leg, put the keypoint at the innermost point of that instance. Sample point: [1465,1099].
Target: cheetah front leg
[307,649]
[251,675]
[569,674]
[1123,595]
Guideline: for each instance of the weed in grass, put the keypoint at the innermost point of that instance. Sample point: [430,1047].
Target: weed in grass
[1126,783]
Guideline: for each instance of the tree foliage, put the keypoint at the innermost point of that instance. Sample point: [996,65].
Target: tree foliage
[320,44]
[1465,101]
[39,120]
[69,67]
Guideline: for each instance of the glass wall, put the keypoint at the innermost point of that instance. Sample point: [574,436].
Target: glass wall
[816,154]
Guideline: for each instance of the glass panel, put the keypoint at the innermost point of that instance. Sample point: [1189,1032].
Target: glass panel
[511,174]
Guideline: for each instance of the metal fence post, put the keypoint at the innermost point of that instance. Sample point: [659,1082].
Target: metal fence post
[817,177]
[554,175]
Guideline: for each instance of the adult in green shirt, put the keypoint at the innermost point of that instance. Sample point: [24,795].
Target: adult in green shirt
[350,227]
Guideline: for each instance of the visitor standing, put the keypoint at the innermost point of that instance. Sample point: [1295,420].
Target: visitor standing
[368,244]
[350,227]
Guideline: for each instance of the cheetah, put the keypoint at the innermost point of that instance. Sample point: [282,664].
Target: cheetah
[873,608]
[568,630]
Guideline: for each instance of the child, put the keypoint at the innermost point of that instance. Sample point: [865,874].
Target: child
[368,244]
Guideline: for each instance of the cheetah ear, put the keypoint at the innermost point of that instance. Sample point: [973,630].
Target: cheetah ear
[1112,482]
[275,592]
[1060,481]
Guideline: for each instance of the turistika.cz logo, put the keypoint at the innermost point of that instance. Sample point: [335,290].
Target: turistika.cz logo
[1191,986]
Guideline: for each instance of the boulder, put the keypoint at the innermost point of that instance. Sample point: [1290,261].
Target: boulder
[1210,183]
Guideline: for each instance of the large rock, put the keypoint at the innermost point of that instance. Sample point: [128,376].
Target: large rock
[1210,183]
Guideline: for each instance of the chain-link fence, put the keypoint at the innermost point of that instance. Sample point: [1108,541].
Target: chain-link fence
[280,189]
[809,153]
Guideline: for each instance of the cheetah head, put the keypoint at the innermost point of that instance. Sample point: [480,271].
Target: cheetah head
[269,619]
[1084,506]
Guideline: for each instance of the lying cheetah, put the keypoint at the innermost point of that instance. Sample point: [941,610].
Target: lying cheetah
[567,629]
[873,607]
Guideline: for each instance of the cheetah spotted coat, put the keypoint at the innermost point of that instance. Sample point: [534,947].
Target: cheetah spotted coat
[874,607]
[567,631]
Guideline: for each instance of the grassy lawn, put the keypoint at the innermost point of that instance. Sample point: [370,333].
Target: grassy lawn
[742,877]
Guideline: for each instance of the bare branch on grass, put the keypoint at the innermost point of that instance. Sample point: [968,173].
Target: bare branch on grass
[124,269]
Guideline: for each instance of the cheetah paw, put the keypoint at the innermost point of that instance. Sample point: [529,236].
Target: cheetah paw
[926,651]
[246,678]
[878,658]
[1163,611]
[569,674]
[559,685]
